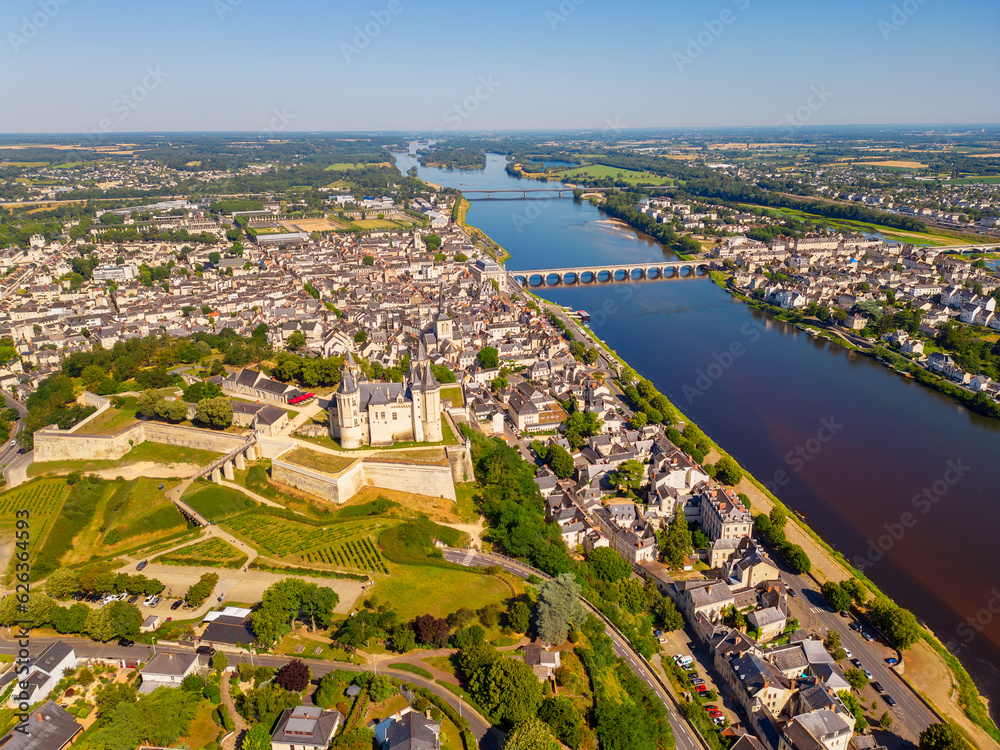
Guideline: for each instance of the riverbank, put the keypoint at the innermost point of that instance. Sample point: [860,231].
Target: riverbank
[978,403]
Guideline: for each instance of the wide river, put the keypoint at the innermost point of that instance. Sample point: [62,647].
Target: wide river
[901,479]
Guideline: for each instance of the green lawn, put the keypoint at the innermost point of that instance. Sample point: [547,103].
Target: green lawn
[109,422]
[602,170]
[324,462]
[420,589]
[412,669]
[214,501]
[465,495]
[455,394]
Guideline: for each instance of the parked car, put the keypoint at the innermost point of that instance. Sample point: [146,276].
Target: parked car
[892,661]
[867,673]
[205,650]
[849,654]
[126,642]
[791,593]
[177,604]
[142,565]
[855,626]
[878,687]
[844,613]
[889,700]
[701,688]
[857,663]
[133,599]
[697,681]
[867,636]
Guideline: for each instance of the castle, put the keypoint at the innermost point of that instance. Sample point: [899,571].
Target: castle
[366,413]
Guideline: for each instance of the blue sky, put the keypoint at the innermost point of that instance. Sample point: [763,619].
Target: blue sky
[300,65]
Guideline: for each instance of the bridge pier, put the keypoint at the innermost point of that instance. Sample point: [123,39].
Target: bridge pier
[251,452]
[227,470]
[216,476]
[240,463]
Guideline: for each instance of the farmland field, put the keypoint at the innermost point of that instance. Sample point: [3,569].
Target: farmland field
[374,224]
[602,170]
[210,553]
[43,499]
[343,544]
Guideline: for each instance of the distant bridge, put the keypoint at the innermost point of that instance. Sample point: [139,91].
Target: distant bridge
[680,269]
[524,193]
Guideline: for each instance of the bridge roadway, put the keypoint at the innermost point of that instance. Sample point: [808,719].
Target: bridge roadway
[571,276]
[524,192]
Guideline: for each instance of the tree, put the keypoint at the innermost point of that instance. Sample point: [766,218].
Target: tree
[885,721]
[856,678]
[99,625]
[461,617]
[564,719]
[368,260]
[220,662]
[488,358]
[431,631]
[296,341]
[530,734]
[796,558]
[667,614]
[508,691]
[852,705]
[728,472]
[215,412]
[838,599]
[778,517]
[628,475]
[198,592]
[560,461]
[638,420]
[62,583]
[519,617]
[608,565]
[856,589]
[126,619]
[257,738]
[942,737]
[146,404]
[489,615]
[897,623]
[832,640]
[293,676]
[675,542]
[558,607]
[380,688]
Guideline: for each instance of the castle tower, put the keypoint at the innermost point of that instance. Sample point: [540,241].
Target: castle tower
[346,423]
[430,398]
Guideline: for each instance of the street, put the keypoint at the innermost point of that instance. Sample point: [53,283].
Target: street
[685,737]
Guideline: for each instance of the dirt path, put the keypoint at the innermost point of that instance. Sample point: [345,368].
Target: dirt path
[241,726]
[146,469]
[474,530]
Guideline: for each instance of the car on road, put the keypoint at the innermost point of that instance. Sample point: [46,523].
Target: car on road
[177,604]
[892,661]
[878,687]
[205,650]
[791,593]
[889,700]
[857,663]
[128,643]
[142,565]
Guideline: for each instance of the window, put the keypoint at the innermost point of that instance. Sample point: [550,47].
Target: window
[394,416]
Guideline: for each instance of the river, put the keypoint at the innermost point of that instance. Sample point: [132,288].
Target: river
[900,478]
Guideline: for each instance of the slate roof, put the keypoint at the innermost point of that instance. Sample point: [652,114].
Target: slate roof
[413,731]
[49,728]
[306,726]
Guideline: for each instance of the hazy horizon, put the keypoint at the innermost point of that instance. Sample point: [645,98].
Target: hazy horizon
[386,66]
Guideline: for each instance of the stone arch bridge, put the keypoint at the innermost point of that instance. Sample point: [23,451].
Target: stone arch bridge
[611,274]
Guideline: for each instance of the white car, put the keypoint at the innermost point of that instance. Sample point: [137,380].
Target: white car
[849,654]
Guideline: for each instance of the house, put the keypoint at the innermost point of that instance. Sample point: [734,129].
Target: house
[167,670]
[48,728]
[769,622]
[411,730]
[43,673]
[256,384]
[823,730]
[723,516]
[543,663]
[228,629]
[305,728]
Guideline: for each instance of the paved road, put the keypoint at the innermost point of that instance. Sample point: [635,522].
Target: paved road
[686,739]
[12,459]
[910,715]
[489,737]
